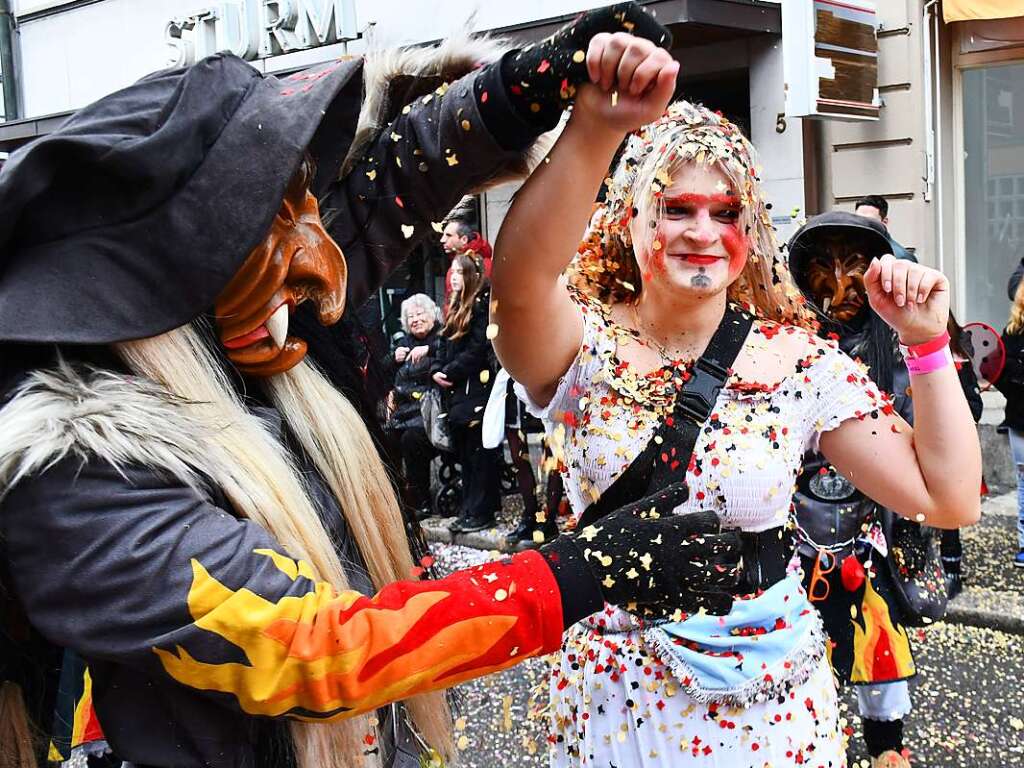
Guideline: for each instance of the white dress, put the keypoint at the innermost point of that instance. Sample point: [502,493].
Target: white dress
[614,703]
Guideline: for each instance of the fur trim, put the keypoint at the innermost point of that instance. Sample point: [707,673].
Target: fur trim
[395,77]
[94,413]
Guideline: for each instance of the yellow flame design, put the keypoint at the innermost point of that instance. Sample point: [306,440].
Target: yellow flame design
[307,660]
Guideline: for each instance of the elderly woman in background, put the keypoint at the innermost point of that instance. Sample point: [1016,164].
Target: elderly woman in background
[412,360]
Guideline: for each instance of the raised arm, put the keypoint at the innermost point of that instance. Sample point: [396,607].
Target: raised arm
[930,472]
[632,82]
[469,132]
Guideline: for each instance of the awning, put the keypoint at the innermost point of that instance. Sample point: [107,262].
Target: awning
[965,10]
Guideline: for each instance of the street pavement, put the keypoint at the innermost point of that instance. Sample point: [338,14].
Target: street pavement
[968,694]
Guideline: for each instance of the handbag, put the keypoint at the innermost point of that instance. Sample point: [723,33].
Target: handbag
[435,420]
[917,572]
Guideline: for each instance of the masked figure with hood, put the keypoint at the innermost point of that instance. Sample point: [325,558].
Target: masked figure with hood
[190,501]
[843,533]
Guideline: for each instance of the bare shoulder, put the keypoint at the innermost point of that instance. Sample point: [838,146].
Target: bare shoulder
[774,351]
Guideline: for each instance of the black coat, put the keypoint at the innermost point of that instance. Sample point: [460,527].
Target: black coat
[99,560]
[412,380]
[464,361]
[1011,382]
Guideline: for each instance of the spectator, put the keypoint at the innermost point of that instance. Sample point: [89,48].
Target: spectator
[411,361]
[876,207]
[462,369]
[1011,384]
[458,237]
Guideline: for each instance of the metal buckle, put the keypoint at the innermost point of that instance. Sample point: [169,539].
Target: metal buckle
[700,391]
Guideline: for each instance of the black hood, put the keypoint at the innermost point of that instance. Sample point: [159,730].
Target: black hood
[807,241]
[132,217]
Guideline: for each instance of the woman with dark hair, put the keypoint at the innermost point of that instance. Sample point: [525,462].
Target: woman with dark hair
[462,370]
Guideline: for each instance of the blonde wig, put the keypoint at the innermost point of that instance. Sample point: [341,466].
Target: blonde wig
[1016,322]
[606,266]
[256,474]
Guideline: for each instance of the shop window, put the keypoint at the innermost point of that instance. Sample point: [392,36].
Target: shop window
[993,99]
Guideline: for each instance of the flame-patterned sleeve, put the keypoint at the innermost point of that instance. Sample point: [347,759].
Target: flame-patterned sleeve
[129,569]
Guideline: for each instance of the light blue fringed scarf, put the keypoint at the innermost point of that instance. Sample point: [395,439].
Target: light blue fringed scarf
[765,646]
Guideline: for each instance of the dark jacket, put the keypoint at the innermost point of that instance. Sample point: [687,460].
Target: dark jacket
[468,362]
[412,380]
[119,565]
[1011,381]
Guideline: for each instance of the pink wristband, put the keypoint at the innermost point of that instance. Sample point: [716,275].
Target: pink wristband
[930,362]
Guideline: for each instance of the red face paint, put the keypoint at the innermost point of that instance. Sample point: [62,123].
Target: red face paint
[737,246]
[693,199]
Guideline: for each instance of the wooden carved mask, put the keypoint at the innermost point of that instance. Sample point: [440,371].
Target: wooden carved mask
[296,262]
[835,277]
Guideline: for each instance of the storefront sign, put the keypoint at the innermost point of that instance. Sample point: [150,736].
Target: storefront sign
[830,59]
[256,29]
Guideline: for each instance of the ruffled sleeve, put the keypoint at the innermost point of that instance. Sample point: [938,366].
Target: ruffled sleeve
[836,388]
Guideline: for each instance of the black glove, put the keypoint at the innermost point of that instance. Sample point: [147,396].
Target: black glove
[538,82]
[642,556]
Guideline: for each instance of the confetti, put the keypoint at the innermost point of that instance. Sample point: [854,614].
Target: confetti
[407,230]
[492,331]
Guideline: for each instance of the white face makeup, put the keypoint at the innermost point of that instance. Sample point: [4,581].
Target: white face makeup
[698,248]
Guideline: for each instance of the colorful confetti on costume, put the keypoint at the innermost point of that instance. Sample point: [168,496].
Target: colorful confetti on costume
[621,694]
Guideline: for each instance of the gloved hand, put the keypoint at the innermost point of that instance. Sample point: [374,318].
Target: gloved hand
[540,80]
[642,556]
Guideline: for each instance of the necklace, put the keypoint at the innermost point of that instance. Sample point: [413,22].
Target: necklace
[675,361]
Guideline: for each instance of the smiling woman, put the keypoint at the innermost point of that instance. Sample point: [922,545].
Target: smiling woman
[679,281]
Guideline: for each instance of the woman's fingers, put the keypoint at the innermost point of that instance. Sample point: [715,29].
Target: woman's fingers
[886,264]
[610,58]
[649,71]
[914,277]
[931,281]
[594,53]
[899,282]
[632,57]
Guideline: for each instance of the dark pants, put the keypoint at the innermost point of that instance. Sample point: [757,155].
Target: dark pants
[481,490]
[417,453]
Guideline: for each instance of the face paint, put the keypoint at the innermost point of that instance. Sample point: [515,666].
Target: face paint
[701,279]
[297,261]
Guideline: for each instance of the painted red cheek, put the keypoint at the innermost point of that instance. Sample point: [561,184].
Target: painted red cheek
[737,246]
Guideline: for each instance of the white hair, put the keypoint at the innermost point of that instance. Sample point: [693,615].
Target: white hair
[419,301]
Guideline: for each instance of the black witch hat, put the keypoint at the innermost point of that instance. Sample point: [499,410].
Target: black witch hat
[807,241]
[132,217]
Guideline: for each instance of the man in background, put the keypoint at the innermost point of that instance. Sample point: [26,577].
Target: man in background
[876,207]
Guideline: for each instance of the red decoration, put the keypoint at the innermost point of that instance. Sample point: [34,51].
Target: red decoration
[852,573]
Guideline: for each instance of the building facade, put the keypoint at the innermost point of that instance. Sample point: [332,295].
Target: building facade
[945,149]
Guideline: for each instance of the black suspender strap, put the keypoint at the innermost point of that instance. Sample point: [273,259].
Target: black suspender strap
[664,461]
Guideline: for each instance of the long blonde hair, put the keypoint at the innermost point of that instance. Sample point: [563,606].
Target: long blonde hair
[263,484]
[1016,322]
[606,266]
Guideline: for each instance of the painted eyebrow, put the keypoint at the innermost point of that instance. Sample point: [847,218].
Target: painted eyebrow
[691,198]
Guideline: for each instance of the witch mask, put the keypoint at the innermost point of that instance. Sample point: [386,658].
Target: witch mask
[296,262]
[836,277]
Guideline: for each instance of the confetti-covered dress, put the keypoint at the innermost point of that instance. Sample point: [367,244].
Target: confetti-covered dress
[618,698]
